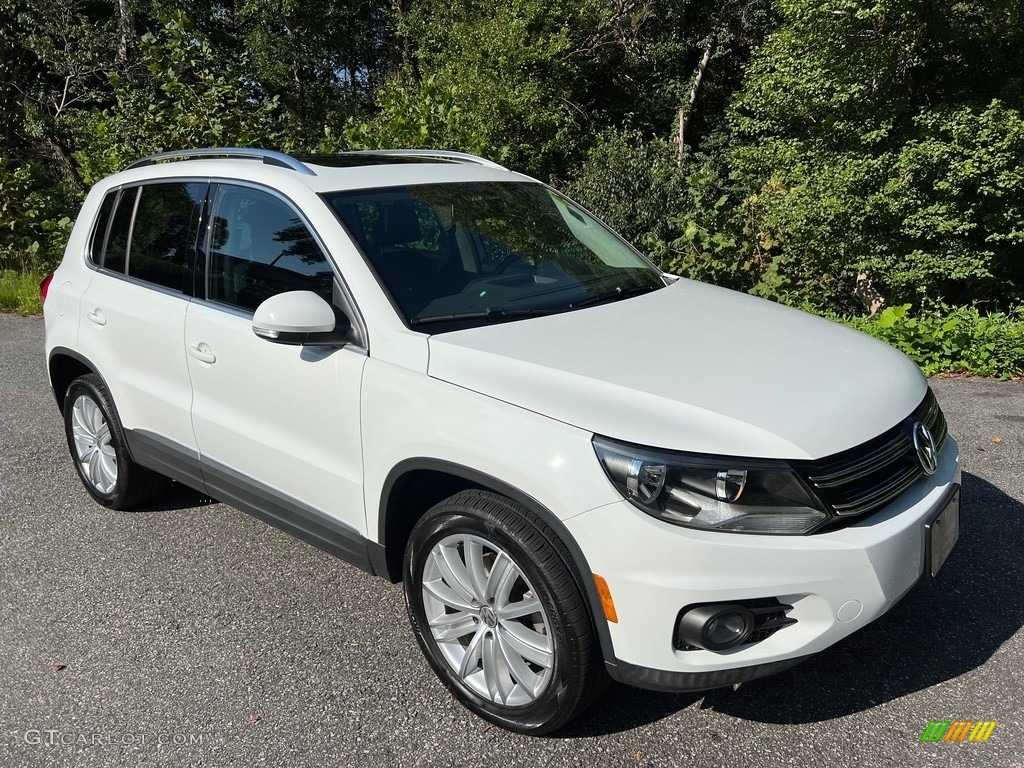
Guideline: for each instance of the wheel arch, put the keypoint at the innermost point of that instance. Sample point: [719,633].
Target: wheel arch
[64,366]
[415,485]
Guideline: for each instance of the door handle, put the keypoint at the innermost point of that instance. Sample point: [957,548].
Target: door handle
[97,317]
[203,353]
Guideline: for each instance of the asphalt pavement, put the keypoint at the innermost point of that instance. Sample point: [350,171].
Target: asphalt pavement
[189,633]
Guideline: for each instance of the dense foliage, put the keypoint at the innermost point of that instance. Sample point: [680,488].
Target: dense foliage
[951,339]
[797,149]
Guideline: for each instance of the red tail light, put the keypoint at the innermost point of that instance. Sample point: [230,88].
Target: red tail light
[44,287]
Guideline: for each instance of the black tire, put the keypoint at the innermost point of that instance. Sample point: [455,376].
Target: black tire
[133,484]
[554,694]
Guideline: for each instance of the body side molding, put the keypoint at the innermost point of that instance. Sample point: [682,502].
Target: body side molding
[252,497]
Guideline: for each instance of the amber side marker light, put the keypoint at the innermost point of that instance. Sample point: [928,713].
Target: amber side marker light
[606,599]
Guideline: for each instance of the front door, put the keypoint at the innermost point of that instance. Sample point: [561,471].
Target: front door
[277,426]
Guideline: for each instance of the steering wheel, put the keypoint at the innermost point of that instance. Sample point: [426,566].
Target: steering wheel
[507,262]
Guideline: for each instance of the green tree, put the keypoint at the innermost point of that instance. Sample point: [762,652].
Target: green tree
[516,70]
[53,60]
[424,114]
[322,61]
[633,183]
[848,113]
[953,202]
[89,85]
[63,54]
[188,97]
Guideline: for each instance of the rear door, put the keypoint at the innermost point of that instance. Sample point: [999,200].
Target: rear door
[133,317]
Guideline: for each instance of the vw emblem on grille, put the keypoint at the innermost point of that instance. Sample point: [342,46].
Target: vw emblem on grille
[924,444]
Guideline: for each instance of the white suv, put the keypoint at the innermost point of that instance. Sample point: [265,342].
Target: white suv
[449,374]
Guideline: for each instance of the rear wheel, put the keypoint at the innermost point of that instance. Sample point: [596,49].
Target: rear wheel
[99,449]
[497,607]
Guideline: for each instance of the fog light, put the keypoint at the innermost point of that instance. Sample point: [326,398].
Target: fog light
[716,627]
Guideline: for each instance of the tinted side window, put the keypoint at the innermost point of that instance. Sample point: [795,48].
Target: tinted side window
[164,236]
[259,247]
[99,234]
[120,229]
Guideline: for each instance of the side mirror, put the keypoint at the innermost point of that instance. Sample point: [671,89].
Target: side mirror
[300,318]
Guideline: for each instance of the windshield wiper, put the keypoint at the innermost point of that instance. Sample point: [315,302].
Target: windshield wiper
[487,314]
[499,313]
[616,295]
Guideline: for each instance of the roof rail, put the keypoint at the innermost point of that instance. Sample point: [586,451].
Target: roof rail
[268,156]
[440,154]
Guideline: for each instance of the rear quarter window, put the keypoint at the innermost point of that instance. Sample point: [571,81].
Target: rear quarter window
[99,232]
[116,254]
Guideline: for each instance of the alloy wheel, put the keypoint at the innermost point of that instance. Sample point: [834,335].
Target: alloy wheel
[487,621]
[93,448]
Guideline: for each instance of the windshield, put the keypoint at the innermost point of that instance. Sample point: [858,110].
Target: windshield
[454,255]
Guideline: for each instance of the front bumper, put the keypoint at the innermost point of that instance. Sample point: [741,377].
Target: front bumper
[837,582]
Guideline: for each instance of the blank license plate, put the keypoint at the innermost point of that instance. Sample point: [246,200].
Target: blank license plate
[941,533]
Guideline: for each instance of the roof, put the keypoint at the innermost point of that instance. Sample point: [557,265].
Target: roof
[320,173]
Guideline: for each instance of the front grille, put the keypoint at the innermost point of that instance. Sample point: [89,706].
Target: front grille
[864,479]
[769,617]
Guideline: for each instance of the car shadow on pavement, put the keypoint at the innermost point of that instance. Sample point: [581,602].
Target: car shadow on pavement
[177,497]
[942,629]
[622,708]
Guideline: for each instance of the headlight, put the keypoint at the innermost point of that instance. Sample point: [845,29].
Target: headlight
[740,495]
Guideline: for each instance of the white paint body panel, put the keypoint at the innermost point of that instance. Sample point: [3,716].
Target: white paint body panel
[61,311]
[287,416]
[409,416]
[295,311]
[692,367]
[143,359]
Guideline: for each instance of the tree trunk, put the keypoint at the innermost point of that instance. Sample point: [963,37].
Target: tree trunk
[686,112]
[67,162]
[126,29]
[864,289]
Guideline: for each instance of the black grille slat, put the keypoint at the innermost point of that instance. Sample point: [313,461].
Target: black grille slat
[864,479]
[767,608]
[871,463]
[777,623]
[896,485]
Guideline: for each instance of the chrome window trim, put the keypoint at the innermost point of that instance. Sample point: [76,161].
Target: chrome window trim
[143,284]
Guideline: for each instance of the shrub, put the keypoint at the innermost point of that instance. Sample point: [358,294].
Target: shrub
[945,339]
[36,217]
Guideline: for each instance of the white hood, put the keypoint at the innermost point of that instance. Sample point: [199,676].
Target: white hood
[692,367]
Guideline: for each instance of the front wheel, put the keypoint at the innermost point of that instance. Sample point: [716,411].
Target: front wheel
[497,608]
